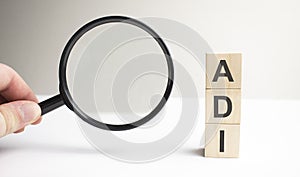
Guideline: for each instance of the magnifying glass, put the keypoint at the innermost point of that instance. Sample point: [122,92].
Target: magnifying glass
[89,63]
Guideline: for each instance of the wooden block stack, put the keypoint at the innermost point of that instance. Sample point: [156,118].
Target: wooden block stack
[223,105]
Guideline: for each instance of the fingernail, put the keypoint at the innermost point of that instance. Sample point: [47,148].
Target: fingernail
[31,111]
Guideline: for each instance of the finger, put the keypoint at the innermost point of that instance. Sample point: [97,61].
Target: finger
[2,100]
[13,87]
[16,115]
[21,130]
[34,123]
[37,122]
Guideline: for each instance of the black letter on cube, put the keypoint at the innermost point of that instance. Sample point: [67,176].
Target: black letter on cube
[216,106]
[226,74]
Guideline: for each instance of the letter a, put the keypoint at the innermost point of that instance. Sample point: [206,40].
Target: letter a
[226,74]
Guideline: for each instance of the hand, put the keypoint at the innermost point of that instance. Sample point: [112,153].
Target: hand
[19,106]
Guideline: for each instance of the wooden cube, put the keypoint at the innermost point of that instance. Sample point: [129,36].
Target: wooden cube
[223,106]
[222,140]
[223,70]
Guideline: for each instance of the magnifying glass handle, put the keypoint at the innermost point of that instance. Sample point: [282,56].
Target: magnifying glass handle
[51,104]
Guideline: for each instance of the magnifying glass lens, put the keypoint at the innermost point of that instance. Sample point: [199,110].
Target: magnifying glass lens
[117,73]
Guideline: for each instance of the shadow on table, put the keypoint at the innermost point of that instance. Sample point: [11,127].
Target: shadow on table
[193,152]
[48,148]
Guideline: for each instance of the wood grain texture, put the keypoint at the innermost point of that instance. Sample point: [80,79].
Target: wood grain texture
[231,140]
[235,97]
[233,61]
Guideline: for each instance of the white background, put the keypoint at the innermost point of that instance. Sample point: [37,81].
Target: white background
[33,34]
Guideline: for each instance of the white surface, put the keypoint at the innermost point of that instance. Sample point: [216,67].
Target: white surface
[56,147]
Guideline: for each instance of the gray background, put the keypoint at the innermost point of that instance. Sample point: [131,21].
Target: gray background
[34,32]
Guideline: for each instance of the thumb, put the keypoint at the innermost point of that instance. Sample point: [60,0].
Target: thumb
[16,115]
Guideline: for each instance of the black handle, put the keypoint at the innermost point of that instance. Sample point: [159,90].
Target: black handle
[51,104]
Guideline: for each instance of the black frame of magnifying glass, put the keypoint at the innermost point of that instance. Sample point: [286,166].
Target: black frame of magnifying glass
[65,97]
